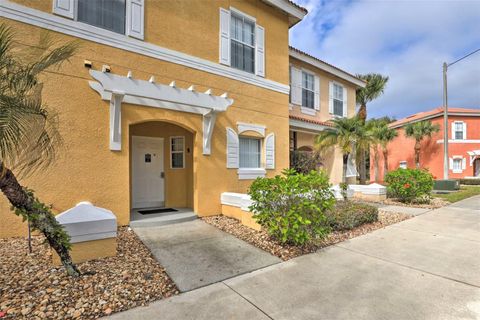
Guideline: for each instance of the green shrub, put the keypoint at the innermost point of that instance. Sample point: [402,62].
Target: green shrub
[409,185]
[292,206]
[470,182]
[347,215]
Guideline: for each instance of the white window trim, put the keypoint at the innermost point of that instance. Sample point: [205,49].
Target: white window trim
[251,173]
[308,111]
[254,46]
[333,100]
[172,152]
[84,31]
[258,128]
[241,13]
[311,90]
[464,133]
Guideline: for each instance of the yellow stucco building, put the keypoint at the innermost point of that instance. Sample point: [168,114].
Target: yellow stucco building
[171,103]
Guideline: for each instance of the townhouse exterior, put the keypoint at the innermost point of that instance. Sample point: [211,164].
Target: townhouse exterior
[463,144]
[161,107]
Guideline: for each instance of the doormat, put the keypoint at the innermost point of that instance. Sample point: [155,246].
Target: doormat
[160,210]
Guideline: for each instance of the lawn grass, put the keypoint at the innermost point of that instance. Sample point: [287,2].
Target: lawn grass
[463,193]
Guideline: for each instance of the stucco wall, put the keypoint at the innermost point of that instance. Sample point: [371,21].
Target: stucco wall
[325,78]
[88,170]
[331,157]
[431,156]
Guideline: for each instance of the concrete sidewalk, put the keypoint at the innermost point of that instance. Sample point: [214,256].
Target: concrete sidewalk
[423,268]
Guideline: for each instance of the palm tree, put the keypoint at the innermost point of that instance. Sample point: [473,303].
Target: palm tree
[382,134]
[346,134]
[374,88]
[419,131]
[29,138]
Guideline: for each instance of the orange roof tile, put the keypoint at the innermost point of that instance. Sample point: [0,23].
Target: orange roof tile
[437,112]
[322,123]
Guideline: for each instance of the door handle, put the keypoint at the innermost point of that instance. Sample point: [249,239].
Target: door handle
[162,175]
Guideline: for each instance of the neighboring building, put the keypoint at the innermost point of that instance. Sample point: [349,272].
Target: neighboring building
[163,107]
[319,92]
[463,144]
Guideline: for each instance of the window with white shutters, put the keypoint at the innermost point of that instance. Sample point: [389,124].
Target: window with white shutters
[457,165]
[308,90]
[337,100]
[458,130]
[120,16]
[242,36]
[250,152]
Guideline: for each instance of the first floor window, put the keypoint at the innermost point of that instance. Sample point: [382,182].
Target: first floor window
[457,164]
[106,14]
[337,100]
[242,33]
[250,152]
[458,130]
[308,93]
[177,147]
[403,164]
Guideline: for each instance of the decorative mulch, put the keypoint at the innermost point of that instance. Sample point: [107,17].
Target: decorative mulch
[31,287]
[435,203]
[262,240]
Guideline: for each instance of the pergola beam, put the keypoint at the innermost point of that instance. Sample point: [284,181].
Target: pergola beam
[118,89]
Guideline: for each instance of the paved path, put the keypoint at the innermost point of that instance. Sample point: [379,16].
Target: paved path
[196,254]
[423,268]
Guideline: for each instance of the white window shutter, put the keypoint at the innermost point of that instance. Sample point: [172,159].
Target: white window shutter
[64,8]
[451,163]
[232,149]
[260,55]
[296,86]
[270,151]
[136,18]
[224,36]
[317,92]
[330,97]
[345,102]
[464,131]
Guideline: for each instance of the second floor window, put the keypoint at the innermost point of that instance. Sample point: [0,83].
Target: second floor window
[458,130]
[106,14]
[242,43]
[337,100]
[250,152]
[308,91]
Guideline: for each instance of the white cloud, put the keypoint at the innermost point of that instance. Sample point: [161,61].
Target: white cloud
[406,40]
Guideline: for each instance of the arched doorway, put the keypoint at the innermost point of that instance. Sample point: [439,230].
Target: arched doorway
[476,167]
[161,165]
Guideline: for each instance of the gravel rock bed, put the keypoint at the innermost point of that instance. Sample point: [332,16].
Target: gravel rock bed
[31,287]
[435,203]
[262,240]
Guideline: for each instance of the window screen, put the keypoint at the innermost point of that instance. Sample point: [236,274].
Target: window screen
[242,32]
[308,93]
[337,100]
[106,14]
[249,153]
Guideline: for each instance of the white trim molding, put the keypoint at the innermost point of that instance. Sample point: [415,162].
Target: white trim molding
[84,31]
[308,111]
[251,173]
[118,89]
[242,127]
[459,141]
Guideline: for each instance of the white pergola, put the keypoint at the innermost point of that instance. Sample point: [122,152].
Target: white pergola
[118,89]
[473,155]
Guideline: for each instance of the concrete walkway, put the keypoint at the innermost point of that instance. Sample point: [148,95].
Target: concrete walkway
[196,254]
[423,268]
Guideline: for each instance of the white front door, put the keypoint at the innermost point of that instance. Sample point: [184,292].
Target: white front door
[148,179]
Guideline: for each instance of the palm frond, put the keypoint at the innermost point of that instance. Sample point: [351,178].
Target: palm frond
[375,87]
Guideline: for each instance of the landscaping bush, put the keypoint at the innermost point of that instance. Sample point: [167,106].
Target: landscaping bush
[408,185]
[347,215]
[292,206]
[470,182]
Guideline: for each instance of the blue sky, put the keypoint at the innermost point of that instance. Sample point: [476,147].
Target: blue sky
[406,40]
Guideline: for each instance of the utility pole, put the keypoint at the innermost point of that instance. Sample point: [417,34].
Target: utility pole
[445,123]
[445,112]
